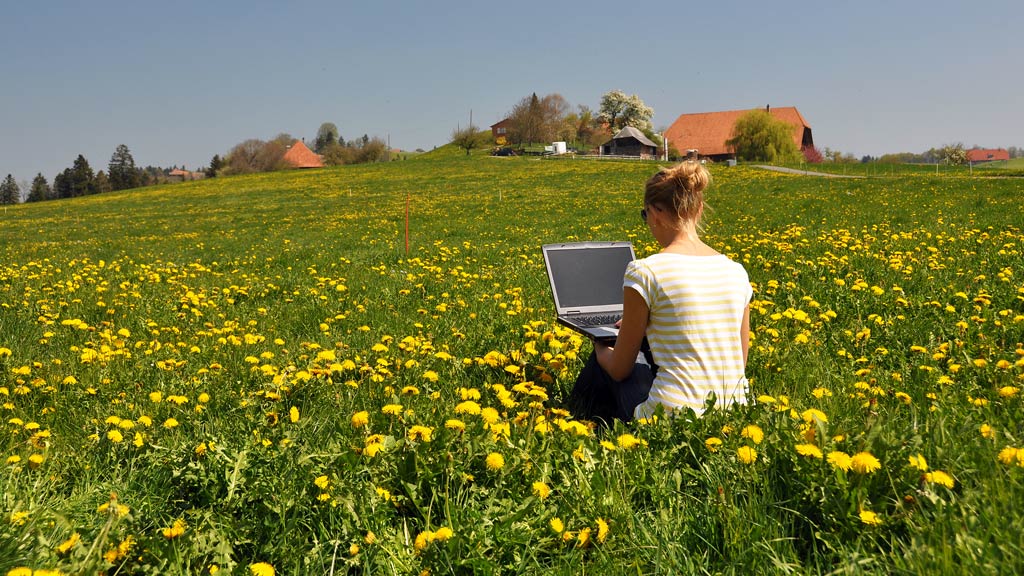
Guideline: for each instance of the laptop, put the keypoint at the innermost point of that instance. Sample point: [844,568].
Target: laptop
[586,282]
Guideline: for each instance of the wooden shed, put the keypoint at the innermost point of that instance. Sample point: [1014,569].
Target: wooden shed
[630,142]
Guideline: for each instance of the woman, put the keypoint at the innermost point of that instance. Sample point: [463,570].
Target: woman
[689,302]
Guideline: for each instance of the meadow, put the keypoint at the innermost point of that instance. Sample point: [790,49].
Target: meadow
[255,375]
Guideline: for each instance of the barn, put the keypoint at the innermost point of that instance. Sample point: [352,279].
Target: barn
[299,156]
[630,142]
[707,132]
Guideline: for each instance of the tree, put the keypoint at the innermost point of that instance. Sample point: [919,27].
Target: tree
[216,163]
[9,191]
[954,154]
[758,136]
[102,182]
[121,169]
[812,156]
[326,135]
[40,189]
[468,138]
[83,181]
[619,110]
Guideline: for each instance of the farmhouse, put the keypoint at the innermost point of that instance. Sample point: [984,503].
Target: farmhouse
[299,156]
[181,175]
[501,129]
[987,155]
[708,131]
[630,142]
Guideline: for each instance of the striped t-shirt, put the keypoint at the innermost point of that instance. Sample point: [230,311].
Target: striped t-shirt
[696,308]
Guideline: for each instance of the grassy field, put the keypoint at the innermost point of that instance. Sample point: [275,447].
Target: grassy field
[253,375]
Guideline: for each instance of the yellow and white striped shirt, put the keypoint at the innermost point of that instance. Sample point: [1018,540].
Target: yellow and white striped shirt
[696,308]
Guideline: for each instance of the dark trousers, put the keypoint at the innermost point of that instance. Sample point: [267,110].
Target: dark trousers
[598,397]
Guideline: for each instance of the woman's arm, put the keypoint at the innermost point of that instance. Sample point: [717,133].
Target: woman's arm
[618,360]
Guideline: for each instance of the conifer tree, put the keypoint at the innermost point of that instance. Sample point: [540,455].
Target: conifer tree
[83,181]
[9,191]
[121,171]
[40,189]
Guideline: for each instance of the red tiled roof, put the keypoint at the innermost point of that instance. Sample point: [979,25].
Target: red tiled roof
[987,155]
[301,157]
[708,131]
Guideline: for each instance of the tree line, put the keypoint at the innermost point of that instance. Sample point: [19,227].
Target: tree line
[80,180]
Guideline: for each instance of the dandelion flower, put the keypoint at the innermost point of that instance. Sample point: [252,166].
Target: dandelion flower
[919,463]
[627,441]
[870,518]
[293,414]
[170,423]
[746,454]
[115,436]
[321,482]
[812,414]
[421,433]
[865,463]
[556,525]
[541,489]
[583,538]
[602,530]
[941,478]
[443,533]
[713,443]
[261,569]
[68,544]
[455,424]
[176,529]
[360,419]
[840,460]
[495,461]
[809,450]
[753,432]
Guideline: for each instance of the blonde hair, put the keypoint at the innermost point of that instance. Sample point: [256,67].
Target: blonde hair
[679,188]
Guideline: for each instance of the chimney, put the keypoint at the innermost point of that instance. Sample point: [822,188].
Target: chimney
[768,108]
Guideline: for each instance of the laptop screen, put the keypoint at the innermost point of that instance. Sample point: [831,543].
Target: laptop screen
[588,276]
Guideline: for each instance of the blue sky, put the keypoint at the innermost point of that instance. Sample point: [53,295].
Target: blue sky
[179,82]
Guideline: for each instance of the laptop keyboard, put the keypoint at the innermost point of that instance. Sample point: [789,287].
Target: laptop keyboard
[597,319]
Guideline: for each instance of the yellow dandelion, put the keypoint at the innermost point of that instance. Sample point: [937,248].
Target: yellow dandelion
[602,530]
[321,482]
[753,432]
[918,462]
[713,444]
[840,460]
[865,463]
[812,414]
[495,461]
[420,433]
[176,529]
[541,489]
[455,424]
[628,441]
[1008,455]
[68,544]
[360,419]
[392,409]
[556,525]
[261,569]
[489,415]
[115,436]
[443,534]
[809,450]
[870,518]
[170,423]
[986,431]
[293,414]
[941,478]
[746,454]
[583,538]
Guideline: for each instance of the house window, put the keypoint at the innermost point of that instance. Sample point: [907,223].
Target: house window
[501,130]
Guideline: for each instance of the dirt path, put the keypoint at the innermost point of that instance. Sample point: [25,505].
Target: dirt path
[805,172]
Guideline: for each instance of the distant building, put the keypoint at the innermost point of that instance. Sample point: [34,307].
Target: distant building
[299,156]
[630,142]
[501,129]
[987,155]
[180,175]
[707,132]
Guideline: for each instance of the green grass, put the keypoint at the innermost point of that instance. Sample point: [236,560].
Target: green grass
[261,313]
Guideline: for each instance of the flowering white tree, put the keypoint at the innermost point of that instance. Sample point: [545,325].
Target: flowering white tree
[619,110]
